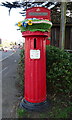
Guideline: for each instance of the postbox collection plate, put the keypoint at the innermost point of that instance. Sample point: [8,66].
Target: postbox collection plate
[35,54]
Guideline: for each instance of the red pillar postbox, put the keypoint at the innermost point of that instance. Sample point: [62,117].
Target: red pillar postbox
[35,62]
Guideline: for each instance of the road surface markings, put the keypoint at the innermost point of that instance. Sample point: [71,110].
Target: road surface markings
[6,57]
[3,69]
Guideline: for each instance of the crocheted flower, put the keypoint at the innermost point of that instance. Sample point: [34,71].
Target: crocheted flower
[29,22]
[47,19]
[24,24]
[19,24]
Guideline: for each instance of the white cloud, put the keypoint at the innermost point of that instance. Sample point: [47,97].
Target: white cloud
[7,24]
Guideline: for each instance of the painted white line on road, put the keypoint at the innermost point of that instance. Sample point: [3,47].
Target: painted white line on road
[3,69]
[6,57]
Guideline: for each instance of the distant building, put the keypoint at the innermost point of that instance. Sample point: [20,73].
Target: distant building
[4,43]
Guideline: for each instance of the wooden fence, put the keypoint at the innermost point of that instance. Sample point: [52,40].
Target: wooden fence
[55,35]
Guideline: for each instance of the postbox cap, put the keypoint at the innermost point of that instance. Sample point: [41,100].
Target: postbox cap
[38,12]
[37,19]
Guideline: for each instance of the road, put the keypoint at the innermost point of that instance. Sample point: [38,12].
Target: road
[4,55]
[9,79]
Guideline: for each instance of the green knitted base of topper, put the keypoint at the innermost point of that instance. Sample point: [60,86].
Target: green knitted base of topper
[36,27]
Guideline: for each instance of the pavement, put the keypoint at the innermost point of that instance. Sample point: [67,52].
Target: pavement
[9,80]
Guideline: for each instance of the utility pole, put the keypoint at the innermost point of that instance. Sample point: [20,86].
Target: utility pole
[62,25]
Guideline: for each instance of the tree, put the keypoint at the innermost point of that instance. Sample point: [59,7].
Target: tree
[62,25]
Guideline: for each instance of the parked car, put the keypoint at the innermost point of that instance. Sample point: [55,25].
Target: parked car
[1,48]
[5,49]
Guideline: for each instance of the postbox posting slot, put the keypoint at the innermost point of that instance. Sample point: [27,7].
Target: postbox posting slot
[34,43]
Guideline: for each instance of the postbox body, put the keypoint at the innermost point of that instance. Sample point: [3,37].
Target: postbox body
[35,66]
